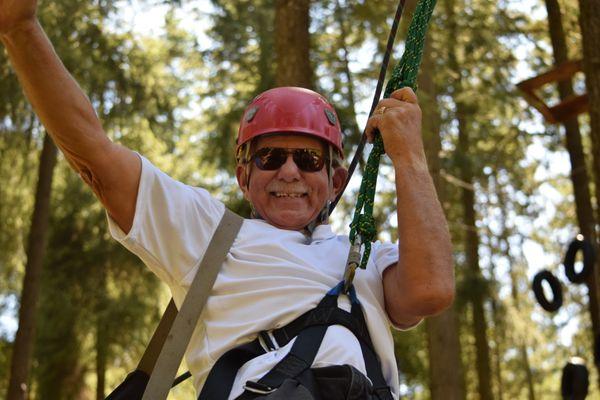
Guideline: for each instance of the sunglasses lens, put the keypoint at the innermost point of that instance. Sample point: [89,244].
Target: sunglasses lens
[272,158]
[308,160]
[269,159]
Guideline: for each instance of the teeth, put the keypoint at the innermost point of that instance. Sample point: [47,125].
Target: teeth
[280,194]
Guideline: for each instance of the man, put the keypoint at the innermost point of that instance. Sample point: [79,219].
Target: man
[283,261]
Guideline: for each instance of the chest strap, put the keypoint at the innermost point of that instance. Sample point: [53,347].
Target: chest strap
[309,328]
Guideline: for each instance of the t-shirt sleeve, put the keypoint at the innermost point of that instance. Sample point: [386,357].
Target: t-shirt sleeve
[172,226]
[385,254]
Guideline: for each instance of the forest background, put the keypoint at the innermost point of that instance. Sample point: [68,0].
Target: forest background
[171,79]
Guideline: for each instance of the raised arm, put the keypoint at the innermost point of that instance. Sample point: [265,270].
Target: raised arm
[112,171]
[422,283]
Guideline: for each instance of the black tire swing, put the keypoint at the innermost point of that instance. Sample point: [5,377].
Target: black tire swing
[588,260]
[552,305]
[538,290]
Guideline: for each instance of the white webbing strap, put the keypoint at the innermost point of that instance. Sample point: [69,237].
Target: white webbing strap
[180,333]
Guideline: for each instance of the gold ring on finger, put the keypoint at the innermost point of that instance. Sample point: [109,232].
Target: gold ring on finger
[381,110]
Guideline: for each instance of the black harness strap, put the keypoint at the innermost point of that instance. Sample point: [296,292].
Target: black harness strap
[220,379]
[322,316]
[372,364]
[302,354]
[299,359]
[309,328]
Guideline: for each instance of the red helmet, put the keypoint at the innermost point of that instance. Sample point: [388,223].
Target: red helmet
[291,109]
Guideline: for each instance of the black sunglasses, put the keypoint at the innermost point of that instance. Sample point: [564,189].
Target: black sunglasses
[272,158]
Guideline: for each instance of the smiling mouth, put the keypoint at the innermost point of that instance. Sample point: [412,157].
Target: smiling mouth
[290,195]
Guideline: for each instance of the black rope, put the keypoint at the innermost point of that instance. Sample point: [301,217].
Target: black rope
[386,59]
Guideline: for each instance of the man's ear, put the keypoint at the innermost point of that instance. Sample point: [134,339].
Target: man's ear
[340,174]
[242,178]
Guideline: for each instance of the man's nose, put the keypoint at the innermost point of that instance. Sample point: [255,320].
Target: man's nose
[289,171]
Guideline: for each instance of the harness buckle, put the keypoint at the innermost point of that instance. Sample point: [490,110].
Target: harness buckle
[258,388]
[267,341]
[352,263]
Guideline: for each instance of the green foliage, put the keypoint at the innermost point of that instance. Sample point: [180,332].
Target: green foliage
[177,98]
[413,366]
[91,285]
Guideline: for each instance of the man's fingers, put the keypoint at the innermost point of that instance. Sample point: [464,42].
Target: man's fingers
[387,103]
[400,98]
[399,103]
[372,124]
[405,94]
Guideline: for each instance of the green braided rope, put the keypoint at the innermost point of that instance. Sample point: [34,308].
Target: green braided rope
[404,74]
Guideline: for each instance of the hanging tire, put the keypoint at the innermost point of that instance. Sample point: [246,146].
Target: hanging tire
[575,381]
[557,297]
[588,260]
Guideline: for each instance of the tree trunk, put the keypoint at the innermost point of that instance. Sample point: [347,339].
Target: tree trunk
[477,296]
[528,372]
[101,359]
[579,173]
[504,244]
[36,249]
[589,17]
[471,239]
[292,43]
[265,31]
[355,132]
[340,19]
[446,374]
[499,338]
[101,333]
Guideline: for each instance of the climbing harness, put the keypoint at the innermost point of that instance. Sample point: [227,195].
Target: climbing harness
[155,374]
[309,330]
[362,227]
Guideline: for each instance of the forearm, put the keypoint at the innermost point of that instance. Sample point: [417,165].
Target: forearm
[112,171]
[422,282]
[423,279]
[57,99]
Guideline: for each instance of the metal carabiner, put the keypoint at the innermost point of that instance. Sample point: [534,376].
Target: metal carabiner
[352,263]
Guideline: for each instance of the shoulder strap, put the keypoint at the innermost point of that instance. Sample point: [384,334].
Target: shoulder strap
[163,367]
[151,353]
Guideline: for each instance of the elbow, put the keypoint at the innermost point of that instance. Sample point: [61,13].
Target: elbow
[417,290]
[439,302]
[434,292]
[94,170]
[438,294]
[430,300]
[412,308]
[427,295]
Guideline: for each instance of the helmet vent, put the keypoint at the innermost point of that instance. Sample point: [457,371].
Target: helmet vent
[251,114]
[330,116]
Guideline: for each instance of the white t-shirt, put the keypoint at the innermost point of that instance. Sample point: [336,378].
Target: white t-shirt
[270,277]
